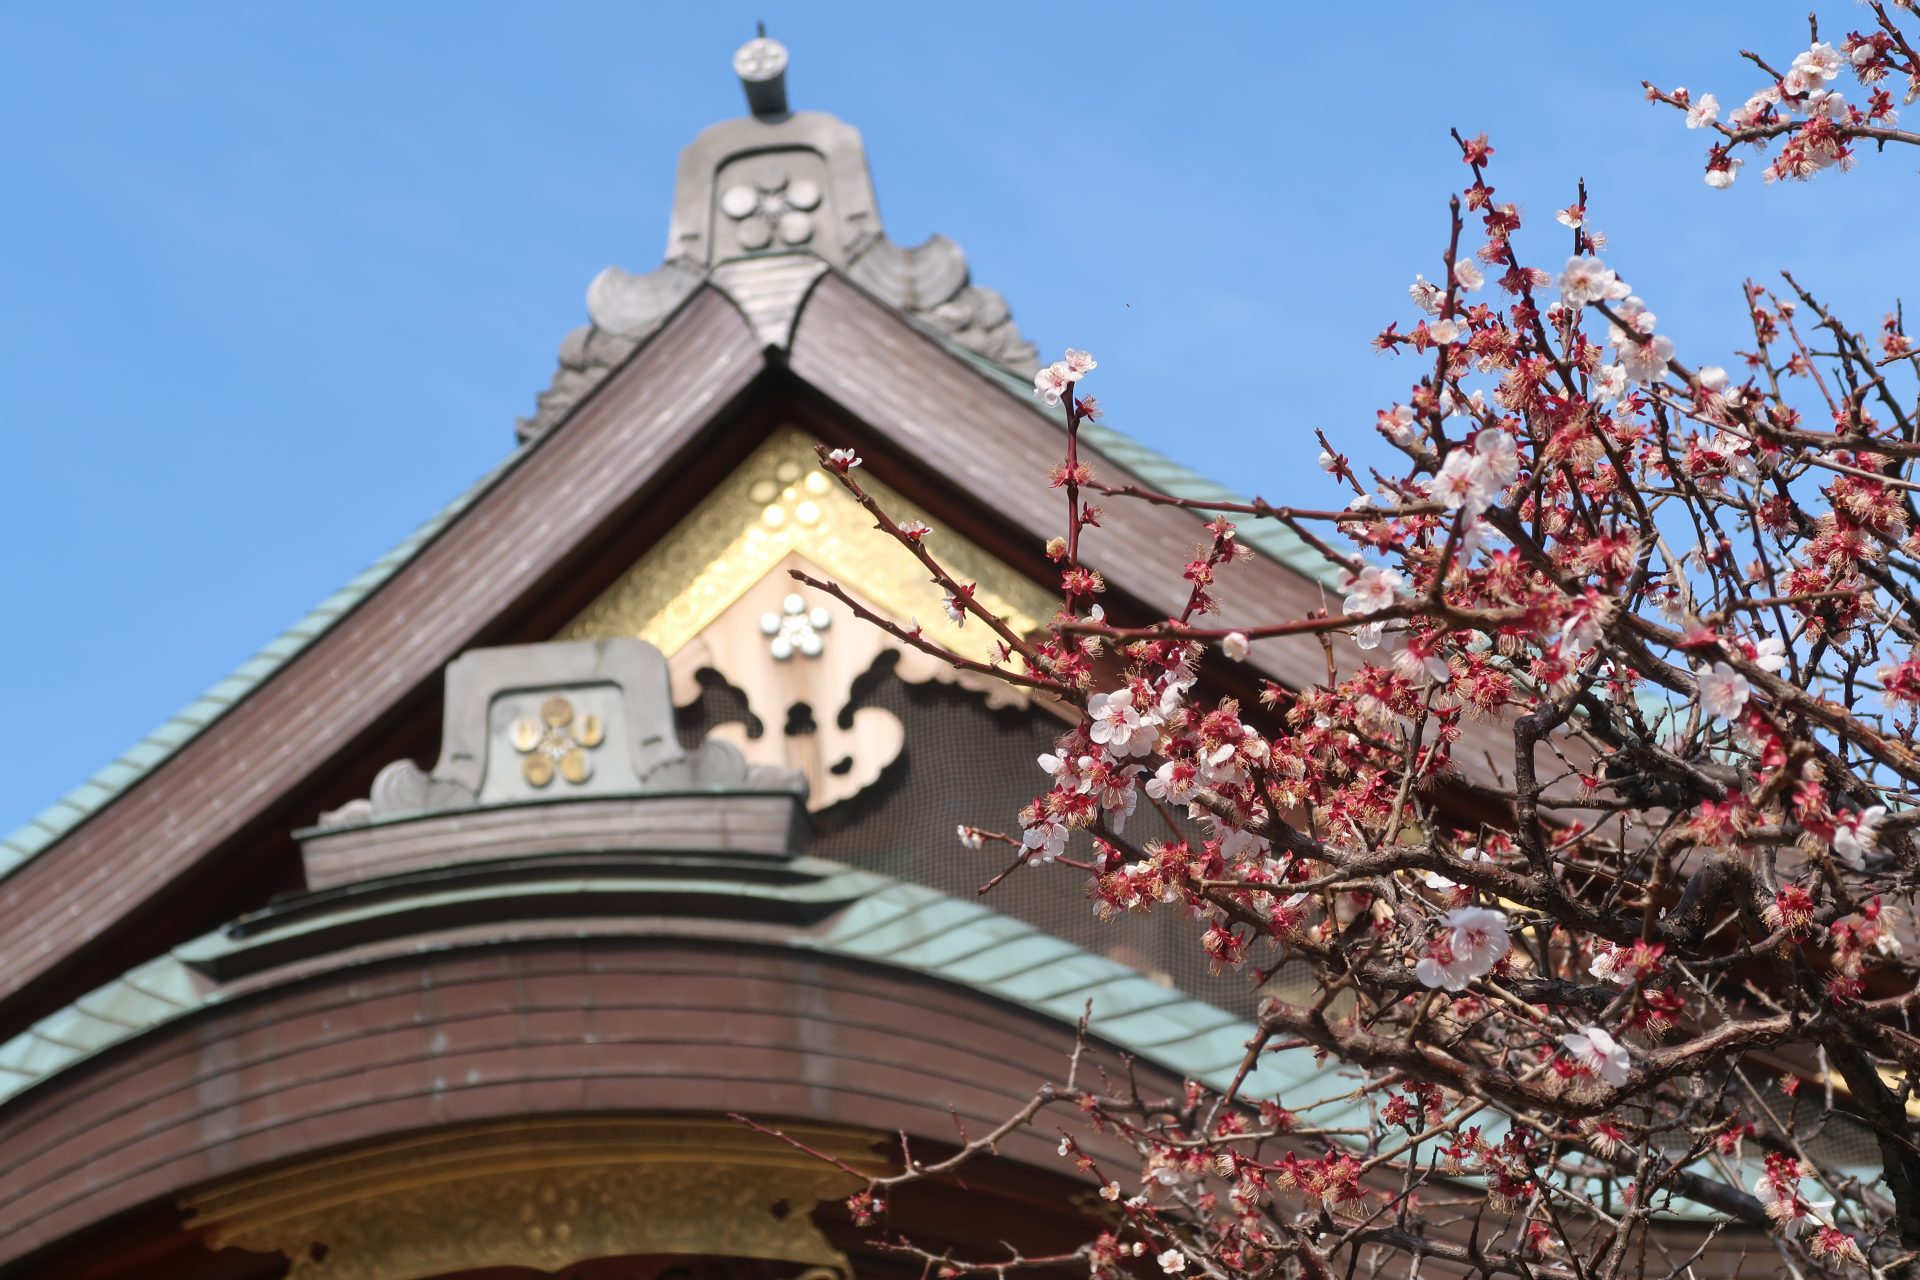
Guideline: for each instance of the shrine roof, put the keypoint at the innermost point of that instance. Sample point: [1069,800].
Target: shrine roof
[879,920]
[69,811]
[63,815]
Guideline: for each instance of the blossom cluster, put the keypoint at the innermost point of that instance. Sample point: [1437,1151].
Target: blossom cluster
[1596,836]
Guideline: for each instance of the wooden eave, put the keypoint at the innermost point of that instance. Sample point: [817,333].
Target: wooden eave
[176,852]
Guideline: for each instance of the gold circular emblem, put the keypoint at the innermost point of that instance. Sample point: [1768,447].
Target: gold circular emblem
[590,731]
[556,711]
[575,767]
[526,733]
[537,769]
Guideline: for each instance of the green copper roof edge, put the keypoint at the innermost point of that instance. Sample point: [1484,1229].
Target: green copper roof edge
[156,993]
[55,821]
[1156,468]
[1149,1029]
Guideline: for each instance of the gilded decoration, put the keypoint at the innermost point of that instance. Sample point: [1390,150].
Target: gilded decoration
[556,741]
[716,594]
[543,1194]
[779,502]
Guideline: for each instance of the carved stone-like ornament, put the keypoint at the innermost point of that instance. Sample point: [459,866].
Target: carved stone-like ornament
[751,191]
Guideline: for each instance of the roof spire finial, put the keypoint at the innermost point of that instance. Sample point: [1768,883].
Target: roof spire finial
[761,64]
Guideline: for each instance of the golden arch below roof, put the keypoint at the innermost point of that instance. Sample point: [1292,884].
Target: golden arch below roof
[543,1193]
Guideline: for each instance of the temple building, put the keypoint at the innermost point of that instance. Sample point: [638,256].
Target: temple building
[444,937]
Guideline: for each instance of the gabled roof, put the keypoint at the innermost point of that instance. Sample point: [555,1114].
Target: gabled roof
[68,812]
[63,815]
[926,369]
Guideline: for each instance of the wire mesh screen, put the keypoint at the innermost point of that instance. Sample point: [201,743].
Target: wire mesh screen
[964,762]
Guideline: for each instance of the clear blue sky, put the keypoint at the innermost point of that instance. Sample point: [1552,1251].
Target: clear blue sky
[278,279]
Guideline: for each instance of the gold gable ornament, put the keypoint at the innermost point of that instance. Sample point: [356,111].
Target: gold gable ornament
[715,593]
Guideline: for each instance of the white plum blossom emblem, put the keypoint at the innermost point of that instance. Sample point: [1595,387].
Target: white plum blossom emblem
[771,207]
[795,629]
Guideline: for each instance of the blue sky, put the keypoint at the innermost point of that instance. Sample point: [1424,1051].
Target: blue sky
[275,282]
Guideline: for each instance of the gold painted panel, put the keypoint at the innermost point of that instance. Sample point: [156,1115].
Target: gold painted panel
[777,503]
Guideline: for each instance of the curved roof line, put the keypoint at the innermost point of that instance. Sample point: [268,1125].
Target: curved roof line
[886,922]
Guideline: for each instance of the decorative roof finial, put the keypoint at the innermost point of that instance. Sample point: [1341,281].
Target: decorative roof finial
[761,65]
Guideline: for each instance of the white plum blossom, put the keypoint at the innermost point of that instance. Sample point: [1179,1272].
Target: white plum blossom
[1443,331]
[1749,112]
[1609,964]
[1587,279]
[1470,481]
[1703,111]
[1416,664]
[1610,381]
[1476,939]
[1468,275]
[1811,69]
[844,459]
[1426,296]
[1770,654]
[1045,840]
[1723,691]
[970,838]
[1063,768]
[1328,463]
[1119,726]
[1720,177]
[1372,590]
[1052,382]
[1854,834]
[1079,364]
[1738,456]
[1234,645]
[1173,1262]
[1646,360]
[1473,406]
[1175,782]
[1434,880]
[1397,425]
[1599,1053]
[1172,695]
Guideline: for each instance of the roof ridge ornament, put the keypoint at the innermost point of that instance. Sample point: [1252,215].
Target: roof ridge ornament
[762,204]
[761,64]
